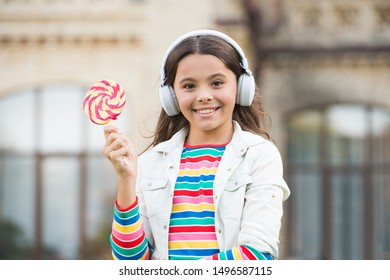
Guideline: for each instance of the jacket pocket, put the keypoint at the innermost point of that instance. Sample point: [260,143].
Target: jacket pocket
[235,183]
[233,198]
[156,195]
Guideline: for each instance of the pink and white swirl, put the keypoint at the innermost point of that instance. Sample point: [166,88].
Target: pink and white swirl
[104,101]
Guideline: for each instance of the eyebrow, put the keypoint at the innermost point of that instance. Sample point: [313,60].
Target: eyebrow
[208,78]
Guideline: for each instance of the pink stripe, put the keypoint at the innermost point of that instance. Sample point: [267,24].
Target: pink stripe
[127,236]
[199,165]
[190,236]
[192,200]
[244,256]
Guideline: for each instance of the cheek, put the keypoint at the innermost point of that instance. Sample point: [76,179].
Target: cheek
[184,100]
[232,99]
[230,94]
[229,98]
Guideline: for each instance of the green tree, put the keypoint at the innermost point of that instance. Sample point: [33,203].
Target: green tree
[12,244]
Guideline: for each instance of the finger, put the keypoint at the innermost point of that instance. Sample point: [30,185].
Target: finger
[118,156]
[109,129]
[113,136]
[117,143]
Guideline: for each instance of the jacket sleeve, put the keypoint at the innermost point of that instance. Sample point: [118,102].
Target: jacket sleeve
[263,207]
[128,241]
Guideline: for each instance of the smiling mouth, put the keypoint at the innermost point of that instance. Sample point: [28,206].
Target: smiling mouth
[206,111]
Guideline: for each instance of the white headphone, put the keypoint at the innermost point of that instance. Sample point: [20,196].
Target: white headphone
[245,86]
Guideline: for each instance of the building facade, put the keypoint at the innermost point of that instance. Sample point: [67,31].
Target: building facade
[324,67]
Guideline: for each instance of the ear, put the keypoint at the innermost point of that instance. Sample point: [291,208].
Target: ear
[245,89]
[169,101]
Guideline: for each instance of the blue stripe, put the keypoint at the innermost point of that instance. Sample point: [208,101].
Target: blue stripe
[126,222]
[195,178]
[193,252]
[229,255]
[267,256]
[193,214]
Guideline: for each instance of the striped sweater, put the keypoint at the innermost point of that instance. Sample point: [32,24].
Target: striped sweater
[191,231]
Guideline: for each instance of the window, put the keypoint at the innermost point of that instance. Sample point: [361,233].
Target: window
[339,157]
[56,187]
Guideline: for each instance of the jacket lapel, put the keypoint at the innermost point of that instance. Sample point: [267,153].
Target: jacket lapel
[231,159]
[171,153]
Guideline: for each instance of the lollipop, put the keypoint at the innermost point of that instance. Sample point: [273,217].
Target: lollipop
[104,102]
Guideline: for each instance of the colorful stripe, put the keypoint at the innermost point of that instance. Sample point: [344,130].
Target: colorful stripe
[128,241]
[192,226]
[243,252]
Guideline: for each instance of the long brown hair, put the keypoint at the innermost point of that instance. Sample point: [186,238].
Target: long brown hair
[251,118]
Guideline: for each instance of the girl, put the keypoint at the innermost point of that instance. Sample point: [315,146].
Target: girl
[211,185]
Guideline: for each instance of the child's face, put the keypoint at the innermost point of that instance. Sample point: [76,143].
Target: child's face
[206,91]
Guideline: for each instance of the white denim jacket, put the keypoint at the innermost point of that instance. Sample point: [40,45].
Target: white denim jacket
[248,192]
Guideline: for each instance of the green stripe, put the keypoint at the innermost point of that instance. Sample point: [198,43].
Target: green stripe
[192,222]
[128,214]
[194,186]
[255,252]
[202,152]
[222,256]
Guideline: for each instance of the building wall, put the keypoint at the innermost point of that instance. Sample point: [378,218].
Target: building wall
[82,42]
[325,52]
[318,53]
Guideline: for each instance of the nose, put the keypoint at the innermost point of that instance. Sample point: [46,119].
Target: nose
[204,95]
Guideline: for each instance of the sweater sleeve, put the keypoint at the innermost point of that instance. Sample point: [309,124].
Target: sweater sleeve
[128,241]
[243,252]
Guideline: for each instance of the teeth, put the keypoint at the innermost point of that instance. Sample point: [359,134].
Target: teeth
[205,111]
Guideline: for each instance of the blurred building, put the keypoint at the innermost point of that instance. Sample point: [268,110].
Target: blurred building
[323,68]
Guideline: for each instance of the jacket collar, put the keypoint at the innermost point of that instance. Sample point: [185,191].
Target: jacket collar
[177,140]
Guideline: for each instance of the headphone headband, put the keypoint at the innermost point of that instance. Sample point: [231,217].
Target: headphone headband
[204,32]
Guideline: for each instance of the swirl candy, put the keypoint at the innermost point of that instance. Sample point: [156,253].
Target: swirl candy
[104,101]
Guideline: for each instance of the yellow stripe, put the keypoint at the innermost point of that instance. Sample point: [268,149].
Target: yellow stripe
[192,244]
[127,229]
[191,207]
[144,256]
[237,254]
[195,172]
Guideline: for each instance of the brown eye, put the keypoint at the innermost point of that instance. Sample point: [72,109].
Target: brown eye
[188,86]
[217,83]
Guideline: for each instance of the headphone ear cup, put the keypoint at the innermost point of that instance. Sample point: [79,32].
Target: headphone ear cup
[245,90]
[169,101]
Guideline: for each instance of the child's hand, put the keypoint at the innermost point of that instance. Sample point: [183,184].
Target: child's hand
[120,151]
